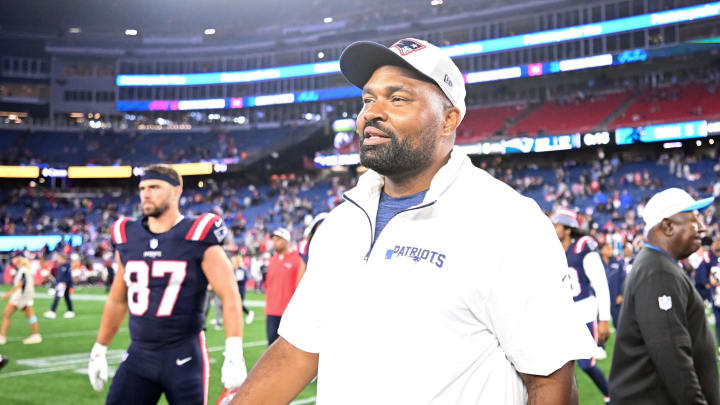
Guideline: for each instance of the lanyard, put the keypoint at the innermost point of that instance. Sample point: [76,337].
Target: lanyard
[653,247]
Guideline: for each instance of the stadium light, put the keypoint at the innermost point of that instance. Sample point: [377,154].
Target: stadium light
[321,55]
[74,30]
[327,20]
[210,31]
[131,32]
[436,2]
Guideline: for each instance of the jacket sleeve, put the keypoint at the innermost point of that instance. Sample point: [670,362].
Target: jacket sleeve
[660,303]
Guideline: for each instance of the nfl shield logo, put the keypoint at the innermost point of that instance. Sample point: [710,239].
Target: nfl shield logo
[153,243]
[665,302]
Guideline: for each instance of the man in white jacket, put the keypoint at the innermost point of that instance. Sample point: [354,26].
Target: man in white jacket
[474,307]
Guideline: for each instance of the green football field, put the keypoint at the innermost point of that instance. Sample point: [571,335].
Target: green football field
[54,371]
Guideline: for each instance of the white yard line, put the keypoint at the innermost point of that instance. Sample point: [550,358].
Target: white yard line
[72,361]
[102,298]
[64,335]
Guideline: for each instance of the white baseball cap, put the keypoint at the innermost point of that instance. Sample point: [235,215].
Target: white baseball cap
[668,203]
[360,60]
[282,233]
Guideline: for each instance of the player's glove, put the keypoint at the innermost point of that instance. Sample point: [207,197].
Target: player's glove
[233,370]
[98,367]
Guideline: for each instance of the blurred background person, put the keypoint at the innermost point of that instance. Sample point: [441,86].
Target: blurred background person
[21,297]
[615,274]
[63,287]
[284,272]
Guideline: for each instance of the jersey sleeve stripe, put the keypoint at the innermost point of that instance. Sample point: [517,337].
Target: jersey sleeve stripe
[192,229]
[118,232]
[211,218]
[580,245]
[198,231]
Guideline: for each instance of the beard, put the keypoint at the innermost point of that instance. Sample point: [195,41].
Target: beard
[398,156]
[151,210]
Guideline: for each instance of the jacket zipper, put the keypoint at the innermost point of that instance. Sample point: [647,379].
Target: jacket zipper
[372,233]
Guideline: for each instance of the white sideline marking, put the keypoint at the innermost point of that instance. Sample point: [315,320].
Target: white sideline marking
[310,400]
[101,298]
[68,362]
[64,335]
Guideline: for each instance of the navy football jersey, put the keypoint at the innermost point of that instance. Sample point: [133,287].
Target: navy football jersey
[579,281]
[166,286]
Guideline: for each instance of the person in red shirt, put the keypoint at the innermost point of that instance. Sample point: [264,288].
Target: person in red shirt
[283,275]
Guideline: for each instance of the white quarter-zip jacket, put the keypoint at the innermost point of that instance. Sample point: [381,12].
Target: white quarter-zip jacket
[456,296]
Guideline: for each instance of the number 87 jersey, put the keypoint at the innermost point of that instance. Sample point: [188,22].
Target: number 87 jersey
[165,282]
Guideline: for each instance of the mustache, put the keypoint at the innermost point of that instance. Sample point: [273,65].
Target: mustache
[377,125]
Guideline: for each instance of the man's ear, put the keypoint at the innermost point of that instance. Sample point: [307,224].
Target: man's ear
[667,227]
[451,120]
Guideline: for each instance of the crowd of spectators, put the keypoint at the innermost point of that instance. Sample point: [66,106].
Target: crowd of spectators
[609,193]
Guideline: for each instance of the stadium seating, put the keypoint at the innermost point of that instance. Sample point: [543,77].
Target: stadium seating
[107,148]
[481,123]
[671,104]
[556,118]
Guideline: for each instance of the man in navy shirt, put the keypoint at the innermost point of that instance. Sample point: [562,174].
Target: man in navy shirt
[165,262]
[63,287]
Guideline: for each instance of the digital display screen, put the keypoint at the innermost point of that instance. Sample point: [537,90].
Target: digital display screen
[36,242]
[19,172]
[99,172]
[663,132]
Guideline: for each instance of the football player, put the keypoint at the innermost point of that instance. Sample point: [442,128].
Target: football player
[589,285]
[165,262]
[63,287]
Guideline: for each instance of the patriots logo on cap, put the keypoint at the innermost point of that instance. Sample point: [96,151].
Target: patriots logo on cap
[407,46]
